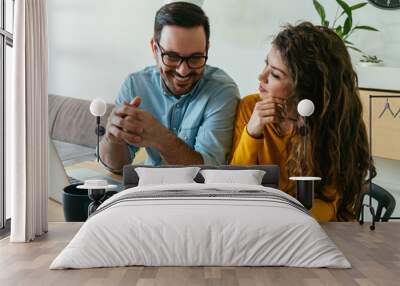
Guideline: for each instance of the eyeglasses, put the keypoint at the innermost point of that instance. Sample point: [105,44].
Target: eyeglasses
[174,60]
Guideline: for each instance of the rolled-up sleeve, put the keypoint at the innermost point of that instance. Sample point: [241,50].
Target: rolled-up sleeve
[214,138]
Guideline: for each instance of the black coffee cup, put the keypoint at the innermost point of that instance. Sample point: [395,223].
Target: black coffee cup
[305,187]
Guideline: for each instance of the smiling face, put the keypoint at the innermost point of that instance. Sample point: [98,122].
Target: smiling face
[275,79]
[184,42]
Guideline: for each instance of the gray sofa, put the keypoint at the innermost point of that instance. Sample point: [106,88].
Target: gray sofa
[72,128]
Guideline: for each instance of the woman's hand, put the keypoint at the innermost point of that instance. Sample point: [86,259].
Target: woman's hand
[269,110]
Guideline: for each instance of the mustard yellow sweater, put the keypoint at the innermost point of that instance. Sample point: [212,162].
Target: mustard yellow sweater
[270,149]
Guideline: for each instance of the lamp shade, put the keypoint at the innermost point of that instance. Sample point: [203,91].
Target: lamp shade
[305,107]
[98,107]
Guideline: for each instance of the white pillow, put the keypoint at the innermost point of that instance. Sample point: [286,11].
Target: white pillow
[164,176]
[248,177]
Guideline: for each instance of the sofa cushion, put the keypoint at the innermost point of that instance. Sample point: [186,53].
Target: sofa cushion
[71,154]
[71,121]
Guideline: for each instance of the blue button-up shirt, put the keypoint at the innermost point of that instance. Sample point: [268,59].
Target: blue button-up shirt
[202,118]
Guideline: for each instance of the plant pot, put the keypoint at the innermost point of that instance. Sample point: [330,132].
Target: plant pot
[368,64]
[75,202]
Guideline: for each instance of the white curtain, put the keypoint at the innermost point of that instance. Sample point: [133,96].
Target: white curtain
[27,123]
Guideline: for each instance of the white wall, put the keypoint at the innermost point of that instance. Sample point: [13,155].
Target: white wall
[95,44]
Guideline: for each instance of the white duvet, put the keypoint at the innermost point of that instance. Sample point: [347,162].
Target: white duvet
[185,230]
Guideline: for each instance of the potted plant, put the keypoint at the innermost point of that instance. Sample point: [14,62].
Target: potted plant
[342,24]
[370,61]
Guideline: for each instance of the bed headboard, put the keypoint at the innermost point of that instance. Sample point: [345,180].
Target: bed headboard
[270,179]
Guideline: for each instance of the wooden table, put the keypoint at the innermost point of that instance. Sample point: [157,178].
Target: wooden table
[374,255]
[55,208]
[95,166]
[140,158]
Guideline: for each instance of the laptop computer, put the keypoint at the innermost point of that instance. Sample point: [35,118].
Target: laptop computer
[59,178]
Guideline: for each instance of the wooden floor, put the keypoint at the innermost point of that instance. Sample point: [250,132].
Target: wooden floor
[374,255]
[55,212]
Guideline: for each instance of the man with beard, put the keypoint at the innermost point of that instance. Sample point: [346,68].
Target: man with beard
[181,110]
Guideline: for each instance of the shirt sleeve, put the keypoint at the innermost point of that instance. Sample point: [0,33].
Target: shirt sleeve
[323,211]
[126,95]
[326,211]
[245,147]
[214,138]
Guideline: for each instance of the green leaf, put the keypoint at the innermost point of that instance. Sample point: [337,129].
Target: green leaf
[358,6]
[326,24]
[338,31]
[370,59]
[355,7]
[346,8]
[321,11]
[347,25]
[369,28]
[355,49]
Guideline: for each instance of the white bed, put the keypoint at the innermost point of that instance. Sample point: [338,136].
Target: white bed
[222,225]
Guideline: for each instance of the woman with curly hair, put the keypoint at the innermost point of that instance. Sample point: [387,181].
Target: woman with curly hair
[308,62]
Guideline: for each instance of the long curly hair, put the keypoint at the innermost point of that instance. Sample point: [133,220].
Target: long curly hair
[338,149]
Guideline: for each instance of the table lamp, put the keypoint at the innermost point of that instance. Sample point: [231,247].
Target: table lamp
[96,192]
[305,184]
[98,108]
